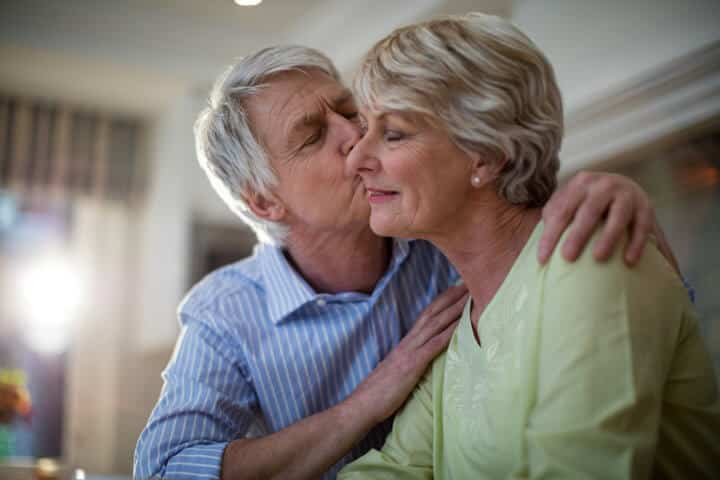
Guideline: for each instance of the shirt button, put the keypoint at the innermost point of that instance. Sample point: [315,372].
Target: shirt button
[321,302]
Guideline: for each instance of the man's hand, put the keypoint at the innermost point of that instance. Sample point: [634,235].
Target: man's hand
[388,386]
[311,446]
[587,200]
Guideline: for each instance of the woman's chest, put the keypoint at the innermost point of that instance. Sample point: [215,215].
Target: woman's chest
[488,390]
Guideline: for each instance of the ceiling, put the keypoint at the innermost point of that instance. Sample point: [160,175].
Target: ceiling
[137,55]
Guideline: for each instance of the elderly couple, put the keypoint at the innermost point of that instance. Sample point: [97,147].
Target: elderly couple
[292,363]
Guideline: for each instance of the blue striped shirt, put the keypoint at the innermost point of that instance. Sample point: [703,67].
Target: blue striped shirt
[259,350]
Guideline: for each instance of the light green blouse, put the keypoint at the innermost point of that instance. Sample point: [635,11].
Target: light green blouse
[586,370]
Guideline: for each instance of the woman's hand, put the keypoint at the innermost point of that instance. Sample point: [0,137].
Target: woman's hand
[591,198]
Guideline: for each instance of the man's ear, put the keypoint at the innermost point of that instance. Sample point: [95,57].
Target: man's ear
[485,168]
[266,206]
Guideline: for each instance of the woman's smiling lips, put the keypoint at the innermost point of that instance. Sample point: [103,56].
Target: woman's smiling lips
[375,195]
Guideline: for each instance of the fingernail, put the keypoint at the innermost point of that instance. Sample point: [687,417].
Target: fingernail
[543,253]
[631,257]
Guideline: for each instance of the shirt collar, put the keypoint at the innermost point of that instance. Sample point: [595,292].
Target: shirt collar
[286,290]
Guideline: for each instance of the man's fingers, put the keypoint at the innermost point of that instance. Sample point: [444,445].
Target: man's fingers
[441,302]
[439,342]
[557,215]
[642,226]
[586,220]
[449,314]
[438,322]
[421,333]
[618,220]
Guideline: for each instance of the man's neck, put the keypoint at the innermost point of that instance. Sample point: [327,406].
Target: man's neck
[347,262]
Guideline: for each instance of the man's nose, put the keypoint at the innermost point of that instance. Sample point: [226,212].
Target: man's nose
[352,133]
[361,158]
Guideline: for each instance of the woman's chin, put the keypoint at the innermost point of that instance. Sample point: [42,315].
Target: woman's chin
[389,229]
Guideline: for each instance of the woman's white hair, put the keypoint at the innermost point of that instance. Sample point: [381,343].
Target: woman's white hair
[228,151]
[483,81]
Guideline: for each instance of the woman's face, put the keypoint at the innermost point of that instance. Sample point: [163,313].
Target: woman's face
[416,179]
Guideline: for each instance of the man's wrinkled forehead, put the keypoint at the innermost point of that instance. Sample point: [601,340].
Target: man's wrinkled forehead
[289,97]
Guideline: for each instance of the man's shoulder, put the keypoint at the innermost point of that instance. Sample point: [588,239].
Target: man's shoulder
[225,286]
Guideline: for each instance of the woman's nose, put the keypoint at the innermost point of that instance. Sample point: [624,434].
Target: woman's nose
[361,158]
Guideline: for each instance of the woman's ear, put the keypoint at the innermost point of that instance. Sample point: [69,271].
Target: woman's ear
[266,206]
[485,169]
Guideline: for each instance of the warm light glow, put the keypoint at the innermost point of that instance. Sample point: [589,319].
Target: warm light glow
[50,294]
[248,3]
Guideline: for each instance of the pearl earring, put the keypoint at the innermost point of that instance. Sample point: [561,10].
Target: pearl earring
[475,181]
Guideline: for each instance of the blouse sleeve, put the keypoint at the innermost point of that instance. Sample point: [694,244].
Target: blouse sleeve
[606,344]
[408,450]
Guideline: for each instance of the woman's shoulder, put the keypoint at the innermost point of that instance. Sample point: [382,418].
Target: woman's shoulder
[652,274]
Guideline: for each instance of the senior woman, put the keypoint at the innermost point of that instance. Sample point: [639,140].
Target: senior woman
[570,370]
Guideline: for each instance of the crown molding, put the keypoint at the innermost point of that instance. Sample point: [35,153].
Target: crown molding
[675,96]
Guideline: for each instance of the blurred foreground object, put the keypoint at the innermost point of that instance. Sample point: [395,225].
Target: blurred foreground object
[14,396]
[14,403]
[47,469]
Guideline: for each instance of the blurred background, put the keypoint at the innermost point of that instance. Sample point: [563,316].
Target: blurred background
[106,220]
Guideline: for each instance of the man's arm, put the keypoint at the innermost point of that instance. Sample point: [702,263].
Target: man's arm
[311,446]
[590,198]
[205,401]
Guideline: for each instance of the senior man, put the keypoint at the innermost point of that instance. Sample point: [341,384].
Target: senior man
[313,343]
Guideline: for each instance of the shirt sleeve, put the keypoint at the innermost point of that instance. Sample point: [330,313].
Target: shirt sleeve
[607,338]
[408,451]
[207,400]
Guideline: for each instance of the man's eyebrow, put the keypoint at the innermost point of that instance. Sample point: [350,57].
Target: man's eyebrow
[314,118]
[341,97]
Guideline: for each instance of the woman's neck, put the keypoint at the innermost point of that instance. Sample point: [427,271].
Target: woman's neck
[484,245]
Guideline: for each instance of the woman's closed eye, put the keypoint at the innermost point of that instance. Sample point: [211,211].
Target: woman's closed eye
[393,135]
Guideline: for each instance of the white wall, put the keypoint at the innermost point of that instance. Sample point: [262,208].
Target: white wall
[595,45]
[163,245]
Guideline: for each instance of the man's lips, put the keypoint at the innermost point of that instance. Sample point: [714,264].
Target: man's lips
[376,195]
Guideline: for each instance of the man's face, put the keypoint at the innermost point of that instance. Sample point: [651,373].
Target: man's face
[307,123]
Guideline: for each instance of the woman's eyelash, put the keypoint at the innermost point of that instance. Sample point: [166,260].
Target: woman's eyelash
[393,135]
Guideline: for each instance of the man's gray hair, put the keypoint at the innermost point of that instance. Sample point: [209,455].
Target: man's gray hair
[229,152]
[482,80]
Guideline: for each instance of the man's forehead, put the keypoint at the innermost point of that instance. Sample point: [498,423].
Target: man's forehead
[292,89]
[291,94]
[291,100]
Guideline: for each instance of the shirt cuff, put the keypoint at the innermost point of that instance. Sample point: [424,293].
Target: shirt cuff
[198,461]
